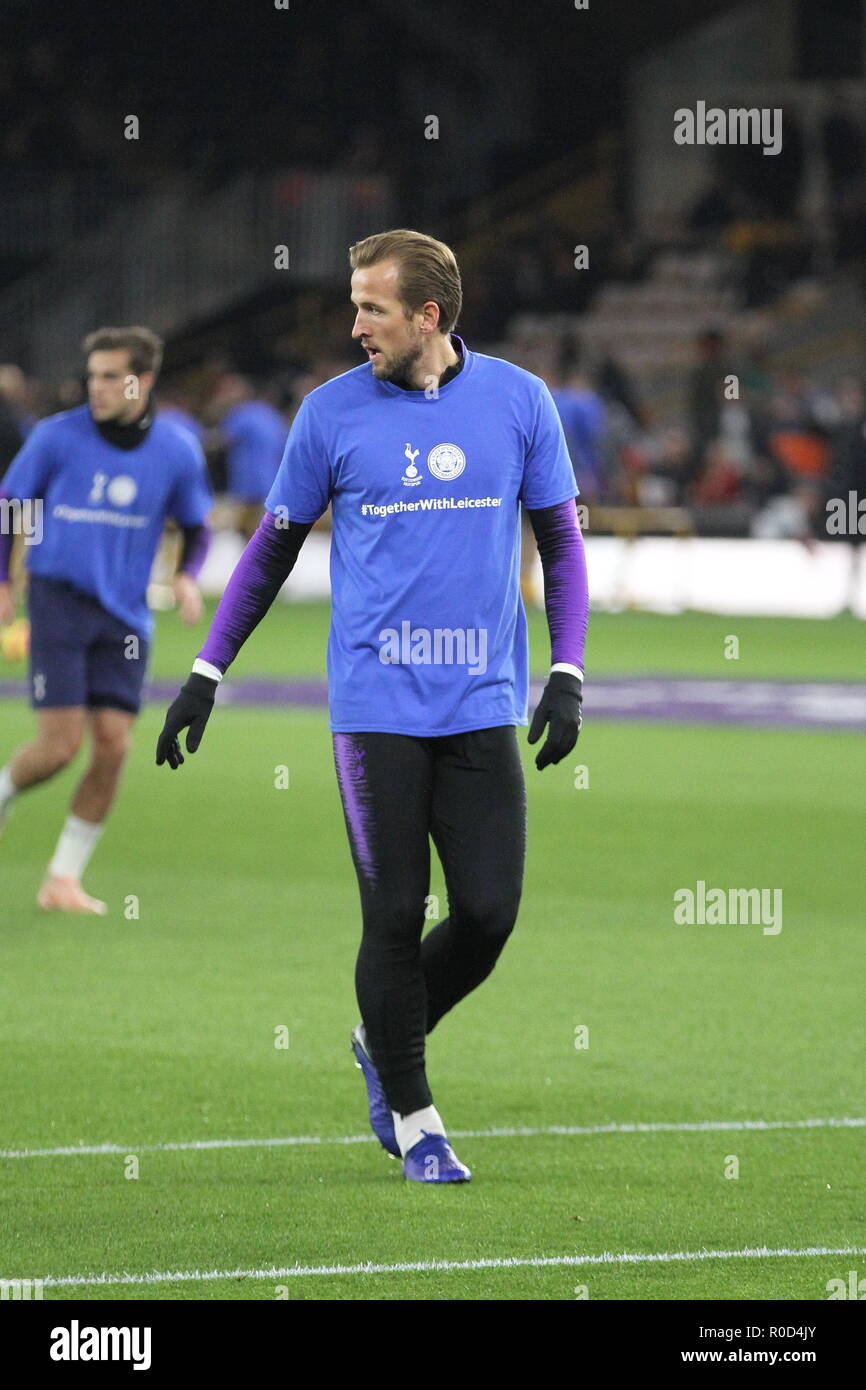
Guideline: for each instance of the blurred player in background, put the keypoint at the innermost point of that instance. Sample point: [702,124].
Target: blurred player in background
[581,410]
[107,476]
[253,433]
[426,453]
[15,421]
[175,404]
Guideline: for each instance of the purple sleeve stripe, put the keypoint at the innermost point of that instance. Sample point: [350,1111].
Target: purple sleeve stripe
[257,579]
[566,594]
[357,798]
[7,540]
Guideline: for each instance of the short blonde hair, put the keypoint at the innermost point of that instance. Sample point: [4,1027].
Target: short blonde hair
[428,270]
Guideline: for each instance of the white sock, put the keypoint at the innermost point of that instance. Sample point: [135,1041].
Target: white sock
[408,1127]
[77,842]
[8,790]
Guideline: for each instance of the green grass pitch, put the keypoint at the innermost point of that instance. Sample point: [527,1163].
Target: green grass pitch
[143,1032]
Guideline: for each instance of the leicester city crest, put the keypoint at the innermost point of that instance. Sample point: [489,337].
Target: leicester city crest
[446,461]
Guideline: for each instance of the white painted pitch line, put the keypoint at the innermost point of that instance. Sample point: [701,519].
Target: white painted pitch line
[432,1266]
[302,1140]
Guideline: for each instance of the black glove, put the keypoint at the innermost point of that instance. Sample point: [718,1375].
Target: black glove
[560,704]
[191,709]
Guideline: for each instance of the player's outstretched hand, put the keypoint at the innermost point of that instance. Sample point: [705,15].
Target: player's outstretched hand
[190,710]
[559,707]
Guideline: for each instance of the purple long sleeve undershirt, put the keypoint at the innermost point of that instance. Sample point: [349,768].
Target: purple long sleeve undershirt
[6,541]
[196,544]
[566,593]
[271,554]
[257,578]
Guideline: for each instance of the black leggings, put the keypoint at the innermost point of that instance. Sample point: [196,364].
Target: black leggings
[467,792]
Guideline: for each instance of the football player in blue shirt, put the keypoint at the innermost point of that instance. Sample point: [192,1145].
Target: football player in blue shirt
[254,433]
[96,485]
[425,453]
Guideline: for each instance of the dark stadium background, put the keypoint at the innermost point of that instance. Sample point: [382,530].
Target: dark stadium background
[226,92]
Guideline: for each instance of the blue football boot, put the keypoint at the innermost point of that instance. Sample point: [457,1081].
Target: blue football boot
[432,1159]
[381,1119]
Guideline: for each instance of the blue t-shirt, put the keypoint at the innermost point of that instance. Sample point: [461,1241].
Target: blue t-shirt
[104,508]
[256,436]
[428,632]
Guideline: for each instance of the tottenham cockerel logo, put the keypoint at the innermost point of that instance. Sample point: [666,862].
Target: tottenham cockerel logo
[411,475]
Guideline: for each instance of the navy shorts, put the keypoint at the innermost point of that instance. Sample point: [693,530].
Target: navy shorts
[80,654]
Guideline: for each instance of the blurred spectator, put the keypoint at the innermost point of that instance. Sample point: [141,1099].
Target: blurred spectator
[11,437]
[720,476]
[660,482]
[795,436]
[786,517]
[706,393]
[844,144]
[615,384]
[176,404]
[16,415]
[17,392]
[848,447]
[583,417]
[254,434]
[70,393]
[797,445]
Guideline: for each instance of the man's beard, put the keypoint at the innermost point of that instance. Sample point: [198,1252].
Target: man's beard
[400,368]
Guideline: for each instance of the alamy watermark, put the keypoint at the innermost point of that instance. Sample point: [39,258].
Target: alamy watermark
[702,906]
[736,126]
[846,516]
[22,518]
[77,1343]
[21,1290]
[437,646]
[853,1287]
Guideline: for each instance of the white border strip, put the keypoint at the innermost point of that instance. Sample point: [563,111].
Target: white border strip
[302,1140]
[427,1266]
